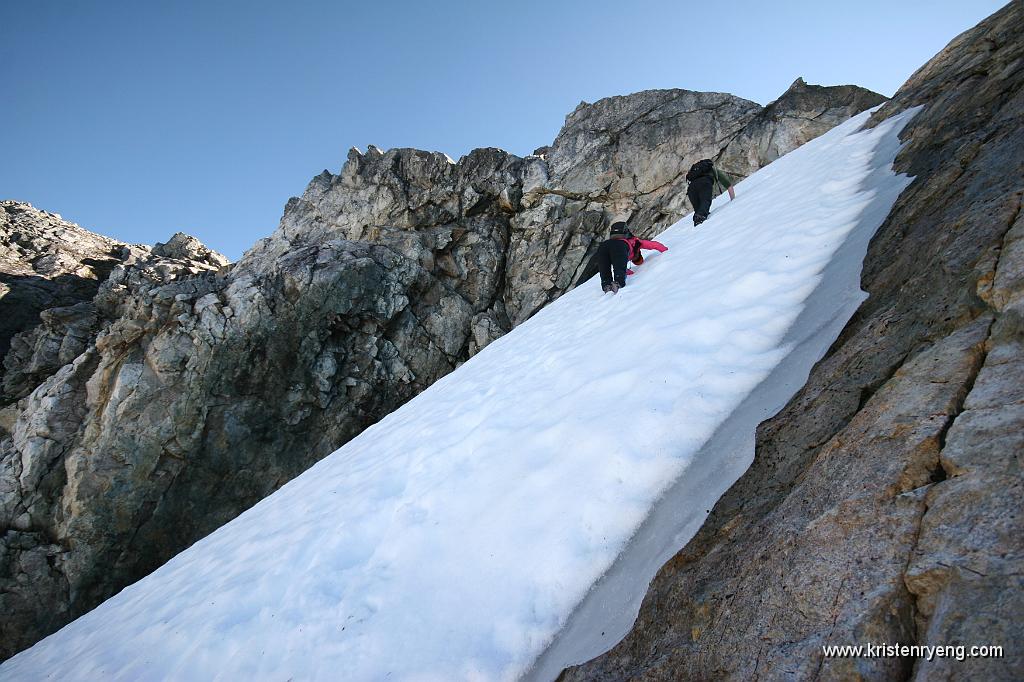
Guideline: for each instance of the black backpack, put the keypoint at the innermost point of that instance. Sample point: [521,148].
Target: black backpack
[699,169]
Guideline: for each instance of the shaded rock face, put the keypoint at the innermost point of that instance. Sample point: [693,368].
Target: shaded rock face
[883,504]
[452,222]
[182,391]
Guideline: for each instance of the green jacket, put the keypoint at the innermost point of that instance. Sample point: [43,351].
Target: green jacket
[722,179]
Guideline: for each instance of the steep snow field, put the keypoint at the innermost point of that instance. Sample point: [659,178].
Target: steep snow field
[457,537]
[609,609]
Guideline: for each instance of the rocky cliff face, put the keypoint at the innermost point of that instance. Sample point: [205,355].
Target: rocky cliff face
[884,502]
[146,411]
[59,297]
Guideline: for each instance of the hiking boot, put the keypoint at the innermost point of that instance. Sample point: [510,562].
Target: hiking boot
[606,288]
[698,218]
[614,287]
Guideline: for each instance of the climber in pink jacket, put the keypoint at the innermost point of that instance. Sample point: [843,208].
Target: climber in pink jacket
[621,248]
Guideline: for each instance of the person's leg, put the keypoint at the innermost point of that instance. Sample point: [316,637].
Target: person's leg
[692,195]
[619,257]
[699,192]
[604,265]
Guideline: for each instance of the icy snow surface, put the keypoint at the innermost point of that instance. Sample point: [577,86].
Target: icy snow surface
[455,538]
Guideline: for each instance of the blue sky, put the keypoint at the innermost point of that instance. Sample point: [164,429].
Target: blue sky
[139,119]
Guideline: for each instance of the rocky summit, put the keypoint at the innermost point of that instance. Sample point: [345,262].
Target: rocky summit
[884,501]
[152,394]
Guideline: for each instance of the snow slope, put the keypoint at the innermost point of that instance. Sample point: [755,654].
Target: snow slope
[609,609]
[455,538]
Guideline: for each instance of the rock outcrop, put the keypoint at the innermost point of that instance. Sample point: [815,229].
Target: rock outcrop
[46,262]
[61,290]
[50,273]
[185,247]
[801,114]
[884,501]
[180,391]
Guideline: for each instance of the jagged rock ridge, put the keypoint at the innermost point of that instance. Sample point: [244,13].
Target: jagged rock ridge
[184,391]
[883,505]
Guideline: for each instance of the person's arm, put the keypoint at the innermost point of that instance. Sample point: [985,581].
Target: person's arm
[652,245]
[726,182]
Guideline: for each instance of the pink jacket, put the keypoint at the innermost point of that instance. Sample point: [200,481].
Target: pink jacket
[635,243]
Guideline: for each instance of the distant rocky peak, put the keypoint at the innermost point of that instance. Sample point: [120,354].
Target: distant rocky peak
[55,276]
[800,114]
[802,99]
[183,246]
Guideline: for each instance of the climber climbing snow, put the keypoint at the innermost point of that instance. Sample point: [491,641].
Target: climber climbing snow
[614,253]
[704,179]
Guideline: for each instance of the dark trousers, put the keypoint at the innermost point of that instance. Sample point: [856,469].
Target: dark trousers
[612,255]
[699,193]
